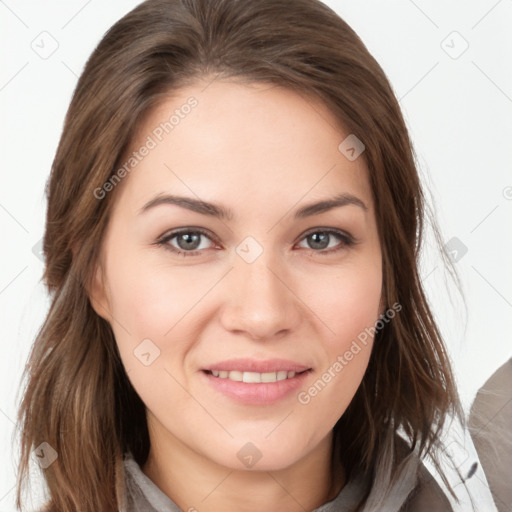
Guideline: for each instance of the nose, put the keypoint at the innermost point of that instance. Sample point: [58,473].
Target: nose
[261,300]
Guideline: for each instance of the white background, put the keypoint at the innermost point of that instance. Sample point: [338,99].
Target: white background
[459,112]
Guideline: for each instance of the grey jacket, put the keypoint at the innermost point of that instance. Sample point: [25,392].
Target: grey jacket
[144,496]
[424,495]
[490,424]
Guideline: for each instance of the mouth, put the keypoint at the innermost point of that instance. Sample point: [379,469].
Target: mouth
[254,377]
[253,382]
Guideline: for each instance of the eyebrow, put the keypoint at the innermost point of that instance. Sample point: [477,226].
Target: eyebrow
[220,212]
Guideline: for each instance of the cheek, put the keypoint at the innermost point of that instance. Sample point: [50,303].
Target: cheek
[162,304]
[149,306]
[347,304]
[332,388]
[151,299]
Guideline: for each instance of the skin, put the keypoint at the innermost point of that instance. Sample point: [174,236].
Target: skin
[263,151]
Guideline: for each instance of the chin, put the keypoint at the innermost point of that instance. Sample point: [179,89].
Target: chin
[254,453]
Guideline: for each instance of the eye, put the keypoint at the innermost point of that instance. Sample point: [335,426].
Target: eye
[186,242]
[322,239]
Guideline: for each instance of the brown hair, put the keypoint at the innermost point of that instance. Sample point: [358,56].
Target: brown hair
[77,397]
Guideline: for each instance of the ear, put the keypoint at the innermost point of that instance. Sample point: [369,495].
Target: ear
[97,291]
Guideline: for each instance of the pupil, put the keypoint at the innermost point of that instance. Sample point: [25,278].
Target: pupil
[319,244]
[191,240]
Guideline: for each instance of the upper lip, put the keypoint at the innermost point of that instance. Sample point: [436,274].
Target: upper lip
[259,366]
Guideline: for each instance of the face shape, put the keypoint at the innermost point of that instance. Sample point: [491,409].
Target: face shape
[272,288]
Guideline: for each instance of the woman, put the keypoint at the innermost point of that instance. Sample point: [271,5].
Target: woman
[238,322]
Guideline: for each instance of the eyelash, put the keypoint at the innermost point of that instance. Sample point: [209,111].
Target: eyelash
[346,240]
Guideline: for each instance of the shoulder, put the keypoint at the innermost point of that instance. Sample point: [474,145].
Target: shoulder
[427,495]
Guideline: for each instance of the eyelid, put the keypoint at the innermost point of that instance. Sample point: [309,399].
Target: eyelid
[169,235]
[338,232]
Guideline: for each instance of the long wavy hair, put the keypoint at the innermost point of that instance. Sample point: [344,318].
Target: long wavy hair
[76,394]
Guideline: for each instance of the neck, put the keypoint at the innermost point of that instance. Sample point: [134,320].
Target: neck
[195,483]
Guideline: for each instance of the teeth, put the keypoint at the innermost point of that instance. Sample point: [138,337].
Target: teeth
[234,375]
[253,377]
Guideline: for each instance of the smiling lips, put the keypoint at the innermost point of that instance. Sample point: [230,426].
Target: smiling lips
[256,382]
[253,377]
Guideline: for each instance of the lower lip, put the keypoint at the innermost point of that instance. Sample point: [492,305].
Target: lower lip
[257,393]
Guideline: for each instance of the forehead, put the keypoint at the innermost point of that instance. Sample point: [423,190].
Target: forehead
[243,145]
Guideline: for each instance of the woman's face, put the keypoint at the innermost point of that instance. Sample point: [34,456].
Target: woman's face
[266,284]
